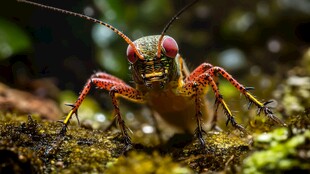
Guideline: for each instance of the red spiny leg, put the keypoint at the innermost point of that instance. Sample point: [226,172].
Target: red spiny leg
[85,91]
[103,75]
[123,90]
[261,106]
[199,130]
[198,71]
[116,87]
[201,69]
[200,75]
[196,87]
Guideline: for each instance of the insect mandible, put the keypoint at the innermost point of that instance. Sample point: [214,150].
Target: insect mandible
[163,82]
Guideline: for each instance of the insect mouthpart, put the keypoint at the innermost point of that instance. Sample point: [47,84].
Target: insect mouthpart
[155,80]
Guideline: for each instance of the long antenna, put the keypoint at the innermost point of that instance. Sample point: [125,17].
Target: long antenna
[169,24]
[90,19]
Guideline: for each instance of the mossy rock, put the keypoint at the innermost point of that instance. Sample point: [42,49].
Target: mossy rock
[25,141]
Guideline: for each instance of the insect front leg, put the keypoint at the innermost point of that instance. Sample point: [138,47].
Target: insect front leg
[262,107]
[116,87]
[125,91]
[201,69]
[82,95]
[196,85]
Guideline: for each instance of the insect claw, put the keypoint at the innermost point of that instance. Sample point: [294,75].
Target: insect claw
[259,110]
[216,102]
[270,115]
[229,116]
[232,121]
[241,128]
[73,112]
[228,120]
[127,142]
[250,104]
[129,130]
[268,112]
[63,130]
[199,133]
[78,120]
[203,131]
[249,88]
[70,104]
[236,125]
[267,102]
[202,142]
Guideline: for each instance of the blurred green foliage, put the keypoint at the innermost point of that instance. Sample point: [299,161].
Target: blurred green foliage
[13,40]
[260,42]
[270,36]
[279,154]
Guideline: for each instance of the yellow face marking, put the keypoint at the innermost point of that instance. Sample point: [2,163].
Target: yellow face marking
[154,74]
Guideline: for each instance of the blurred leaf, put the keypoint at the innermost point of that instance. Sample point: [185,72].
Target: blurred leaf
[13,40]
[152,9]
[118,8]
[227,89]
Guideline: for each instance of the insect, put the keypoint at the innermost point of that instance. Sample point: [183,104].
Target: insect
[163,82]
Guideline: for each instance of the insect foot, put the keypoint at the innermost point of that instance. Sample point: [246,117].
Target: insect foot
[268,112]
[199,134]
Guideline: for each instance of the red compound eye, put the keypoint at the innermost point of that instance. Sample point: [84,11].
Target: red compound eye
[170,47]
[131,55]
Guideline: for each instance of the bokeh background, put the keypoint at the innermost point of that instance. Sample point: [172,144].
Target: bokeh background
[45,52]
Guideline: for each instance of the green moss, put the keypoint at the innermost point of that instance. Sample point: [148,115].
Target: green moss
[222,152]
[81,150]
[25,140]
[281,153]
[95,151]
[140,162]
